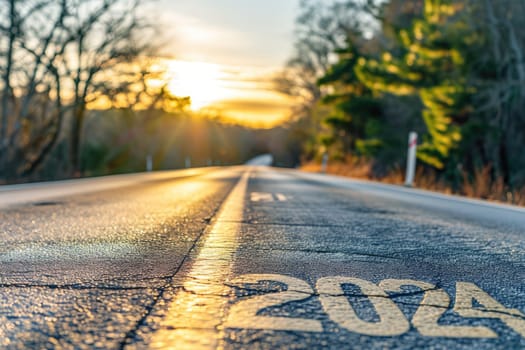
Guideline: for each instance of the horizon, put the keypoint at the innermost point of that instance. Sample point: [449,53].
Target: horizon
[224,58]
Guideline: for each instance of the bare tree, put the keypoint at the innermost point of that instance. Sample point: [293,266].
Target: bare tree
[107,33]
[499,77]
[322,28]
[25,81]
[141,106]
[10,31]
[58,57]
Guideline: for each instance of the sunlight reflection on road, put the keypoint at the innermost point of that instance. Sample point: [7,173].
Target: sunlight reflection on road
[195,315]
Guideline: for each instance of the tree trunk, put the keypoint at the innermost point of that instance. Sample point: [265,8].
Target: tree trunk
[4,159]
[46,150]
[76,139]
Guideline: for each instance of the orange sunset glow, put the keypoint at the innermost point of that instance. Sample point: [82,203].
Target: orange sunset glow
[242,95]
[98,87]
[226,62]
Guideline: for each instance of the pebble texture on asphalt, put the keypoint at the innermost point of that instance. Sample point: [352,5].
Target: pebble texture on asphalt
[281,260]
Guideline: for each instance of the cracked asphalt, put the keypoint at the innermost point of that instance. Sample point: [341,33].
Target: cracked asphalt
[259,258]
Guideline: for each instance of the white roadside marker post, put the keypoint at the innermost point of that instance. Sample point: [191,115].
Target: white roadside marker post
[324,165]
[411,160]
[188,162]
[149,163]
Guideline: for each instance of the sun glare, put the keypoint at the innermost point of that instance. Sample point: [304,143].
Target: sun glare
[240,95]
[202,82]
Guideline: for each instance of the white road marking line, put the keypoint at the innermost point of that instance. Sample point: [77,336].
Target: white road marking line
[243,314]
[391,322]
[195,315]
[267,197]
[261,197]
[434,304]
[466,292]
[281,197]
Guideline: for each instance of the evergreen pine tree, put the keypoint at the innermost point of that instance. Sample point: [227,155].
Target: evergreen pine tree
[356,115]
[432,66]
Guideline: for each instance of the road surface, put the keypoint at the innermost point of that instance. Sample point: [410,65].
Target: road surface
[259,258]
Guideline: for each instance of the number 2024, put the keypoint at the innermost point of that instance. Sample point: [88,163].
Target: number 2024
[392,321]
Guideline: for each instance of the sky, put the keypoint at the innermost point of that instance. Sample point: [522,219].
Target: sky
[225,52]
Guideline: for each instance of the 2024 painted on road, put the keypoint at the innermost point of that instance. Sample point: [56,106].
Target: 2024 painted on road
[392,321]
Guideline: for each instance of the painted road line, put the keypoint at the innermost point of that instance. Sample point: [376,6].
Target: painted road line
[433,306]
[261,197]
[194,316]
[267,197]
[331,294]
[245,313]
[281,197]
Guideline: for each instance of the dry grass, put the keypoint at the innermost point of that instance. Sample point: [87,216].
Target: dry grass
[482,186]
[479,185]
[351,167]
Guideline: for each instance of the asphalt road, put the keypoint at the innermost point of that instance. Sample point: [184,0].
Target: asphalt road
[258,258]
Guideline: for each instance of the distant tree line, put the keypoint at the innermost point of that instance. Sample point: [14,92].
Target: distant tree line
[174,140]
[83,92]
[57,57]
[367,72]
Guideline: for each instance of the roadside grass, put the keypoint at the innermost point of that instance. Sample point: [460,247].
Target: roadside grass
[479,185]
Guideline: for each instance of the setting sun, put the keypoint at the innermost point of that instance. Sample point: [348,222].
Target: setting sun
[237,94]
[200,81]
